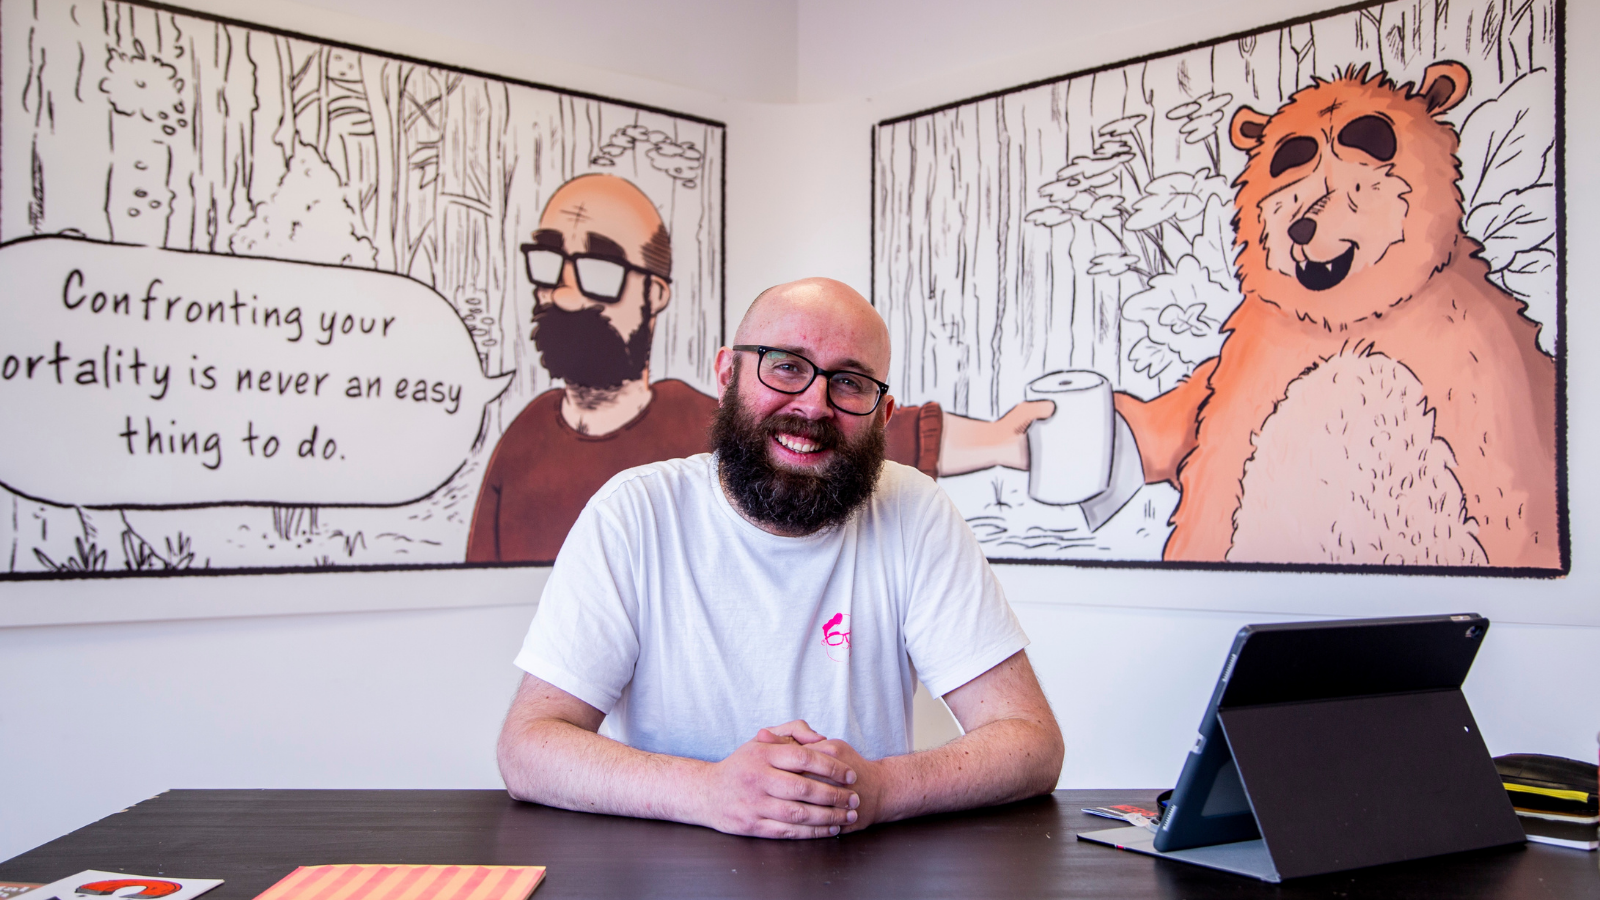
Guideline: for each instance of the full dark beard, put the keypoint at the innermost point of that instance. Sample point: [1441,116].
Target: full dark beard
[583,348]
[794,502]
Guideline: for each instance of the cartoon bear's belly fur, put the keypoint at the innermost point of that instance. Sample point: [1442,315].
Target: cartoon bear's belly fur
[1347,470]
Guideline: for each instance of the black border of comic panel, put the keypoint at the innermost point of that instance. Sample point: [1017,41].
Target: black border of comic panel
[968,200]
[403,150]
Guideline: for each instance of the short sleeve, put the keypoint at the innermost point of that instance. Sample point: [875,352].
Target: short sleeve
[958,623]
[584,639]
[913,437]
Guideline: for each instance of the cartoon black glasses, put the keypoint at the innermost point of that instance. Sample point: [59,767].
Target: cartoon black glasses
[791,373]
[599,278]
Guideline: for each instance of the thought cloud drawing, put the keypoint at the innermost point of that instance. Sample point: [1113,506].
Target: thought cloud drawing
[680,161]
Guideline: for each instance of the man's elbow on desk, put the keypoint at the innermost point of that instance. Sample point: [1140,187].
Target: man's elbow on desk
[541,729]
[1009,694]
[1012,748]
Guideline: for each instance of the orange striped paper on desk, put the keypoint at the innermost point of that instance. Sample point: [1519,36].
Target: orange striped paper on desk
[358,882]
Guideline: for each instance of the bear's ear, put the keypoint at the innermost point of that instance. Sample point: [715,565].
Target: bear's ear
[1444,84]
[1247,128]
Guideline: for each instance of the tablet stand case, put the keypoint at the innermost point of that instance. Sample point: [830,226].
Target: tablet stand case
[1345,783]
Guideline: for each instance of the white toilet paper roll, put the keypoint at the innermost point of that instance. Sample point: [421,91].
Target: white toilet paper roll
[1069,454]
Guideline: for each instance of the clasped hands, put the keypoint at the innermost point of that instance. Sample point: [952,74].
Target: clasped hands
[791,782]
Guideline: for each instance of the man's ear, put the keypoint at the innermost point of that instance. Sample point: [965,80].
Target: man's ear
[1247,128]
[724,369]
[888,408]
[659,294]
[1444,84]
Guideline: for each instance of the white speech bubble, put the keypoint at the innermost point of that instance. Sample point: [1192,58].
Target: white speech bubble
[139,377]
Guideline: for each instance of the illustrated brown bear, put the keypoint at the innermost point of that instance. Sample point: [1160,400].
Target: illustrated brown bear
[1378,400]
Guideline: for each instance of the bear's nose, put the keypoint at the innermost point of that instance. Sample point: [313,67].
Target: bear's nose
[1303,230]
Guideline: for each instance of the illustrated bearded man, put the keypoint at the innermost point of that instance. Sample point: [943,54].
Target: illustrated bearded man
[600,265]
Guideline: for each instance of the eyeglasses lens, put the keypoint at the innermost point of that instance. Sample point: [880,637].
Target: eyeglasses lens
[544,267]
[785,372]
[600,278]
[852,392]
[853,398]
[791,374]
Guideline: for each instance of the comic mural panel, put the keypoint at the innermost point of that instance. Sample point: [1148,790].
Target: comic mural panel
[273,303]
[1294,296]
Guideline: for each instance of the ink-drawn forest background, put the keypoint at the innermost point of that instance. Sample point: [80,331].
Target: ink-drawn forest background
[1085,224]
[128,124]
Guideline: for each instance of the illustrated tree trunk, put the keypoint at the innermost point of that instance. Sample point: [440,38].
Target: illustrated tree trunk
[421,98]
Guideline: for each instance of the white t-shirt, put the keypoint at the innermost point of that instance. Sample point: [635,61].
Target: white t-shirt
[691,628]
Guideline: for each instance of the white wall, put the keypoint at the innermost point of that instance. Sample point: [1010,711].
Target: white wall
[406,696]
[734,48]
[850,49]
[97,717]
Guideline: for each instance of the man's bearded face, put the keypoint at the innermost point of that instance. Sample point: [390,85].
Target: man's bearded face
[795,501]
[582,347]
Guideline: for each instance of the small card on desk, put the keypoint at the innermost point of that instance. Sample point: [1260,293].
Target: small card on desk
[1127,812]
[372,882]
[91,884]
[1121,811]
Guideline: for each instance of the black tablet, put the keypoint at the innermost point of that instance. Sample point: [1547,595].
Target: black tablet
[1299,662]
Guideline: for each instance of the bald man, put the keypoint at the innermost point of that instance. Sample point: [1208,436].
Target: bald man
[733,639]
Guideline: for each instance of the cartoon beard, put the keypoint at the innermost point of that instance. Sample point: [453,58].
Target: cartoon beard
[583,348]
[795,502]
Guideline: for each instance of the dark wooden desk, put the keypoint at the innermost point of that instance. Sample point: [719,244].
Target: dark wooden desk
[254,838]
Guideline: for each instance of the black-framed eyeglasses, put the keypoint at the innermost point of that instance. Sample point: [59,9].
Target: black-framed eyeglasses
[790,373]
[599,277]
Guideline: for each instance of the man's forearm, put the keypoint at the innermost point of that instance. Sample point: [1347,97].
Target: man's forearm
[770,786]
[967,445]
[557,763]
[1002,761]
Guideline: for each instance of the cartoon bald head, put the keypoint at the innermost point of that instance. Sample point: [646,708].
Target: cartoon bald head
[601,268]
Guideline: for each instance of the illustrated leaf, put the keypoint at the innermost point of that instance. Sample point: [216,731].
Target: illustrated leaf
[1112,147]
[1183,310]
[1197,129]
[1507,141]
[1149,357]
[1059,191]
[1103,208]
[1519,221]
[1101,181]
[1204,105]
[1153,209]
[1112,264]
[1124,125]
[1048,216]
[1531,276]
[1091,166]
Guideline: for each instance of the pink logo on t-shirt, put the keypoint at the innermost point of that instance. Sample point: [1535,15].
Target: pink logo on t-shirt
[836,637]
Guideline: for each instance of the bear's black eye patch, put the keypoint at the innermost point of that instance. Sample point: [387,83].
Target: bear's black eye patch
[1293,152]
[1371,135]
